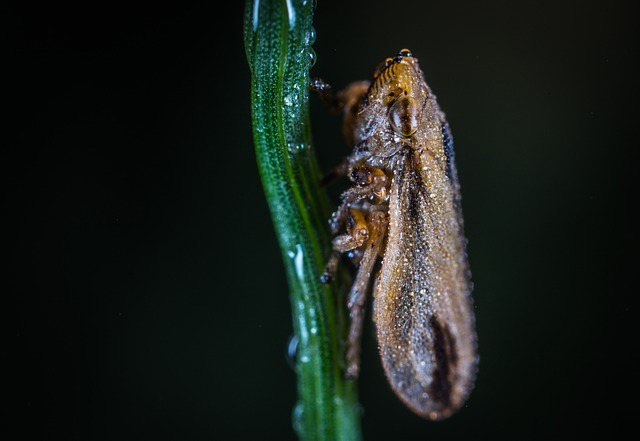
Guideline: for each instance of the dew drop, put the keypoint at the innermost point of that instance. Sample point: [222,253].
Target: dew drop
[311,36]
[291,12]
[304,358]
[312,56]
[297,419]
[289,99]
[294,149]
[298,261]
[256,15]
[292,351]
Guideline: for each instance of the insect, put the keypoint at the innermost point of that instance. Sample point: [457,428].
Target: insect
[401,224]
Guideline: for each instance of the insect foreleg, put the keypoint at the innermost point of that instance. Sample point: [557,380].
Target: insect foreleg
[371,184]
[331,101]
[346,101]
[357,234]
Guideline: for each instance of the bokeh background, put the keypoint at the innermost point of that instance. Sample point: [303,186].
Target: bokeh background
[147,297]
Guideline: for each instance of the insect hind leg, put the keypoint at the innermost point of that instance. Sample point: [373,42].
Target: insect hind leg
[377,226]
[367,237]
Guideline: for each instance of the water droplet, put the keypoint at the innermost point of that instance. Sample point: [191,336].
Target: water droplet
[312,56]
[298,261]
[289,99]
[311,36]
[295,149]
[256,15]
[291,12]
[297,419]
[292,350]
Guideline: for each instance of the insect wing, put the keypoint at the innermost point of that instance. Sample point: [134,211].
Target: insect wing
[423,304]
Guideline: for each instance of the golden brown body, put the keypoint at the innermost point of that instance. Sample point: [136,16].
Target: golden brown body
[405,209]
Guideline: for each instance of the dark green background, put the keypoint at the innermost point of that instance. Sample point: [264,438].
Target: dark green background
[147,295]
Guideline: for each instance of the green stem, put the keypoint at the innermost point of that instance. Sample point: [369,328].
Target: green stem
[278,38]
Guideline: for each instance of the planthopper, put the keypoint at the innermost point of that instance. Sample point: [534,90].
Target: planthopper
[400,223]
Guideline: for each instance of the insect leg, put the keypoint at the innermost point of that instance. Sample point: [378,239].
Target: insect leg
[377,227]
[346,101]
[371,184]
[324,90]
[357,234]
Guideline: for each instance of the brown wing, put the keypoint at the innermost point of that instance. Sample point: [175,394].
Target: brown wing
[423,304]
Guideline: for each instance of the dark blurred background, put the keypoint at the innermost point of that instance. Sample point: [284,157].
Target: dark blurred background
[147,294]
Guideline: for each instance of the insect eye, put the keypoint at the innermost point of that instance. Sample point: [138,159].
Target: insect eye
[403,116]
